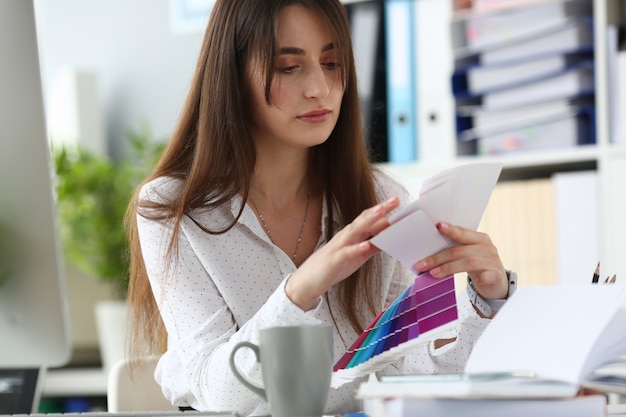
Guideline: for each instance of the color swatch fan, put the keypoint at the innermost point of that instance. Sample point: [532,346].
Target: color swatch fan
[426,308]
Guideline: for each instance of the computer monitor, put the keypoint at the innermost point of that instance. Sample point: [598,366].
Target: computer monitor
[34,326]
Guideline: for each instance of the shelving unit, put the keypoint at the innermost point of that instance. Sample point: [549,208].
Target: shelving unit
[437,148]
[81,382]
[74,389]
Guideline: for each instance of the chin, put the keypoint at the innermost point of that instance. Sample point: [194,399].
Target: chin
[321,136]
[317,141]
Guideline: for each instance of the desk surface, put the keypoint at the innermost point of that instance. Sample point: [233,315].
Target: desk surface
[93,382]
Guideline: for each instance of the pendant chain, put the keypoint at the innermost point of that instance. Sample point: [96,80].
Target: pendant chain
[267,229]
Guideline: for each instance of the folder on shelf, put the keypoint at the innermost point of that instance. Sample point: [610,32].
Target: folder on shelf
[478,79]
[575,34]
[486,31]
[367,26]
[527,244]
[541,114]
[612,36]
[573,128]
[621,96]
[571,256]
[573,82]
[490,6]
[402,130]
[512,96]
[481,119]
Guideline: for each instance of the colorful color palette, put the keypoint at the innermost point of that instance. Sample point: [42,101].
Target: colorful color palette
[425,305]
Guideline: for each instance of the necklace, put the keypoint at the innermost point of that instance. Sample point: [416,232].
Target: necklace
[267,229]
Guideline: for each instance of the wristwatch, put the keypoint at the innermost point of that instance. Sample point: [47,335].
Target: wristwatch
[484,305]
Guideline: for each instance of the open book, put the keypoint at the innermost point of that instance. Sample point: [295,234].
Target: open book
[546,342]
[428,306]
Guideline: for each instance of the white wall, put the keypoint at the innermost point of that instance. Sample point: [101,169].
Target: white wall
[143,67]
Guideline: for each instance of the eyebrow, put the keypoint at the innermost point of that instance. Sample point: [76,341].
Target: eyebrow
[292,50]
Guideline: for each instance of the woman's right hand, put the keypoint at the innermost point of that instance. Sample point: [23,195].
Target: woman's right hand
[340,257]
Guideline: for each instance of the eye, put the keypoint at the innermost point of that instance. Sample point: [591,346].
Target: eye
[288,68]
[331,60]
[287,64]
[331,65]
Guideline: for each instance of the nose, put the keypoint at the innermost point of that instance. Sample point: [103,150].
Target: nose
[317,83]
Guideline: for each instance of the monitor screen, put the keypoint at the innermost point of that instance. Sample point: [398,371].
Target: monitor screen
[34,325]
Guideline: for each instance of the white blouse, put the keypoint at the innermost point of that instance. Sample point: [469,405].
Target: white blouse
[221,289]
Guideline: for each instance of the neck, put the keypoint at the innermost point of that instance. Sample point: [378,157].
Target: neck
[280,221]
[280,184]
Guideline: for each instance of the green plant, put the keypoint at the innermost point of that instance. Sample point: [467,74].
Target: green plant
[93,193]
[5,252]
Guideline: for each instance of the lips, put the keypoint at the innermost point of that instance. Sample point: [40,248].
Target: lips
[315,116]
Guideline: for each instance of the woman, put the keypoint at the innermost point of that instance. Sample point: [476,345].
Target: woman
[260,211]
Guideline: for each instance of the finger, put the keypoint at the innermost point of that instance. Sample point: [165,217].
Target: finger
[489,273]
[374,219]
[461,258]
[344,261]
[461,234]
[366,250]
[445,265]
[360,251]
[470,244]
[386,207]
[446,256]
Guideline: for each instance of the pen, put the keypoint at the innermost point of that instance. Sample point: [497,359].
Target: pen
[596,274]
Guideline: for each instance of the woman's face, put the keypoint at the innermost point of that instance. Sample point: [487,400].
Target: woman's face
[307,88]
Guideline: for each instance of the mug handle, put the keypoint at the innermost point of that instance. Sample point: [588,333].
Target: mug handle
[245,381]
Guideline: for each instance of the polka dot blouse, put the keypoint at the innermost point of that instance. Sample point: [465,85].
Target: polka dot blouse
[221,289]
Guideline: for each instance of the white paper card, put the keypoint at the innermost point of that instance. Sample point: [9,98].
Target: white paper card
[457,196]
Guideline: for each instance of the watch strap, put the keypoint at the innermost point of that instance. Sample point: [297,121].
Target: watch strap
[486,306]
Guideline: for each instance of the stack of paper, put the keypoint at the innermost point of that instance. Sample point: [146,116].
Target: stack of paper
[590,406]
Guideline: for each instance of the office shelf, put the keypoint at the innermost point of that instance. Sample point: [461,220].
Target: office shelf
[436,139]
[75,382]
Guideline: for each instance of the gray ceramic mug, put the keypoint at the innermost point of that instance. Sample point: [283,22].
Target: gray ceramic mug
[296,366]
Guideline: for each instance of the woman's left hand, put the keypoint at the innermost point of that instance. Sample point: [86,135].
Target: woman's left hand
[474,254]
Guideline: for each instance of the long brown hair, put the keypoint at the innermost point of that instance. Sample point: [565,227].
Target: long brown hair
[212,151]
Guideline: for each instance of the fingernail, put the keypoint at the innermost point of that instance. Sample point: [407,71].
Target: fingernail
[435,272]
[443,225]
[420,266]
